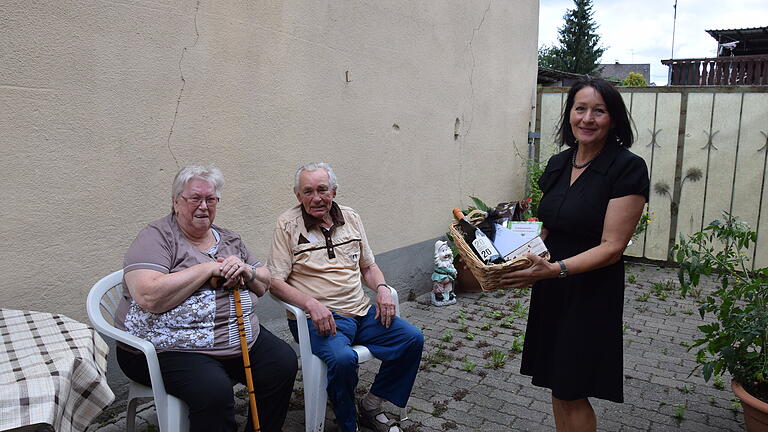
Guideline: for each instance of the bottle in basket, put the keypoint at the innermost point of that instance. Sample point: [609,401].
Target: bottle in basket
[477,240]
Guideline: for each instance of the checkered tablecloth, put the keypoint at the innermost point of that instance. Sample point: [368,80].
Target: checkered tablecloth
[51,371]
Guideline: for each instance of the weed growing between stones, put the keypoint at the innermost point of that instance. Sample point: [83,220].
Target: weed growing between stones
[519,310]
[662,290]
[643,297]
[495,314]
[631,277]
[438,357]
[449,425]
[718,383]
[460,394]
[679,413]
[517,344]
[508,322]
[735,404]
[468,366]
[498,359]
[439,408]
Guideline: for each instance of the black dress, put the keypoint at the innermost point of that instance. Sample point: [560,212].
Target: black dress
[573,340]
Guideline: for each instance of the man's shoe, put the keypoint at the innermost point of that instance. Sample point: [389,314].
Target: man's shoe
[369,420]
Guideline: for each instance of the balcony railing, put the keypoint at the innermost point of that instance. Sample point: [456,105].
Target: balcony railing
[737,70]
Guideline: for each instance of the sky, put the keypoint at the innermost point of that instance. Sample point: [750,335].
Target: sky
[640,31]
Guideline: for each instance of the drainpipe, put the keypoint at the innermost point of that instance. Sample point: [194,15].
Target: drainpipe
[532,137]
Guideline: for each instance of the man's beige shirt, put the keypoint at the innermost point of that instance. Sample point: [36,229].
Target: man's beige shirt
[324,264]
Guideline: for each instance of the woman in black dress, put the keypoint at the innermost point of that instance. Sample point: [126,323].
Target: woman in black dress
[594,194]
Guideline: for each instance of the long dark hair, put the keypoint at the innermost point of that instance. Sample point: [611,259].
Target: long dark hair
[620,133]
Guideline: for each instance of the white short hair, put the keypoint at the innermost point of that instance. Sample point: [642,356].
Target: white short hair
[210,173]
[312,167]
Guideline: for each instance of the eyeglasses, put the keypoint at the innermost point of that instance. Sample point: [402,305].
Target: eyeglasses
[322,191]
[196,200]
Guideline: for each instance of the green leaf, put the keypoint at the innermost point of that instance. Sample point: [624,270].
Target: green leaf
[707,370]
[480,204]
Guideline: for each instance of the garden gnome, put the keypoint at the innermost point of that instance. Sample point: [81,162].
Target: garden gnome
[443,275]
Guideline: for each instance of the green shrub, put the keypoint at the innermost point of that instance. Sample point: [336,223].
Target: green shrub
[634,79]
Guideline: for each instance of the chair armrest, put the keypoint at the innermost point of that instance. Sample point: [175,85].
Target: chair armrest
[142,345]
[396,299]
[146,347]
[305,349]
[105,327]
[93,308]
[295,310]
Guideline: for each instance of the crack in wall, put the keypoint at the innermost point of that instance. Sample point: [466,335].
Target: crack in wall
[475,31]
[183,84]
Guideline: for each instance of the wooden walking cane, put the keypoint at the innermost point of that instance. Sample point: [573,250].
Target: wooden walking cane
[246,357]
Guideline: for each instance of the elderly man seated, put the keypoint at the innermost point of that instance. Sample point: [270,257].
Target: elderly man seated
[320,255]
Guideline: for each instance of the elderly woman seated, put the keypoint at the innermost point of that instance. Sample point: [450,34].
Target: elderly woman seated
[169,301]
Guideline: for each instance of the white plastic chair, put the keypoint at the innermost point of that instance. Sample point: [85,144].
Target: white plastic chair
[315,372]
[172,413]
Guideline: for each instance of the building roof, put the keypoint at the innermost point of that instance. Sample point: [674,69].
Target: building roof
[549,75]
[752,40]
[621,70]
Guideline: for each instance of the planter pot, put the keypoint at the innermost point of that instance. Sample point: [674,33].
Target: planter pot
[755,410]
[467,283]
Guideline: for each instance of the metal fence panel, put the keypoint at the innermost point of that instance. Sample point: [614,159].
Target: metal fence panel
[642,107]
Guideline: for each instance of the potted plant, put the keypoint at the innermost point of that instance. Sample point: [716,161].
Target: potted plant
[736,341]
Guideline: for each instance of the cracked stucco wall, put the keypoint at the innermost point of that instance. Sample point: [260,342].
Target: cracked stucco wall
[417,104]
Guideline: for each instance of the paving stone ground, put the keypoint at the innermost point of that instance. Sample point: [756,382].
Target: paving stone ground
[469,378]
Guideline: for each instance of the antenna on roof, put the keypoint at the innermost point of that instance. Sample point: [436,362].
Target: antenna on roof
[672,55]
[674,23]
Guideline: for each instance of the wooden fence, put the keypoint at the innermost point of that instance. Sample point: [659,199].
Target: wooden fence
[721,131]
[720,71]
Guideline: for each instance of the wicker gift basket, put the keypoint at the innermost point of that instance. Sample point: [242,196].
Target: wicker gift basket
[489,276]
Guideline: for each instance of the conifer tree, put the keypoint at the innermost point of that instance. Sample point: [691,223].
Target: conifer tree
[549,56]
[579,49]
